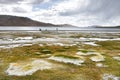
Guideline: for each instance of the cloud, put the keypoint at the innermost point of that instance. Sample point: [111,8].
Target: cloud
[15,8]
[76,12]
[22,1]
[100,11]
[33,2]
[9,1]
[71,7]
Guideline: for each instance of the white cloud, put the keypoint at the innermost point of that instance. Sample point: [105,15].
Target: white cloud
[32,1]
[76,12]
[70,6]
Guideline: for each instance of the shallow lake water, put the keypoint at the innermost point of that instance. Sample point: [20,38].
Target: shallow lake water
[88,29]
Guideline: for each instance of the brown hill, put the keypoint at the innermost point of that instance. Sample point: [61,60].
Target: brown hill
[7,20]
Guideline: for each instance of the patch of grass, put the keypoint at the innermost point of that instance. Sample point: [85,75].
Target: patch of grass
[114,67]
[66,47]
[37,53]
[27,67]
[66,56]
[76,36]
[46,51]
[110,45]
[83,50]
[61,50]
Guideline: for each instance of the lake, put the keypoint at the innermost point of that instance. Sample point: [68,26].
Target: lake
[92,29]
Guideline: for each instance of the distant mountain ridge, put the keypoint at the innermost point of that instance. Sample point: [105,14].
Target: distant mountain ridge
[105,26]
[8,20]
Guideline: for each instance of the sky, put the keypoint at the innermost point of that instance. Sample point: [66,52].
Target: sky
[76,12]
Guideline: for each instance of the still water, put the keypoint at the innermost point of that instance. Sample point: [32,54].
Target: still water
[59,29]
